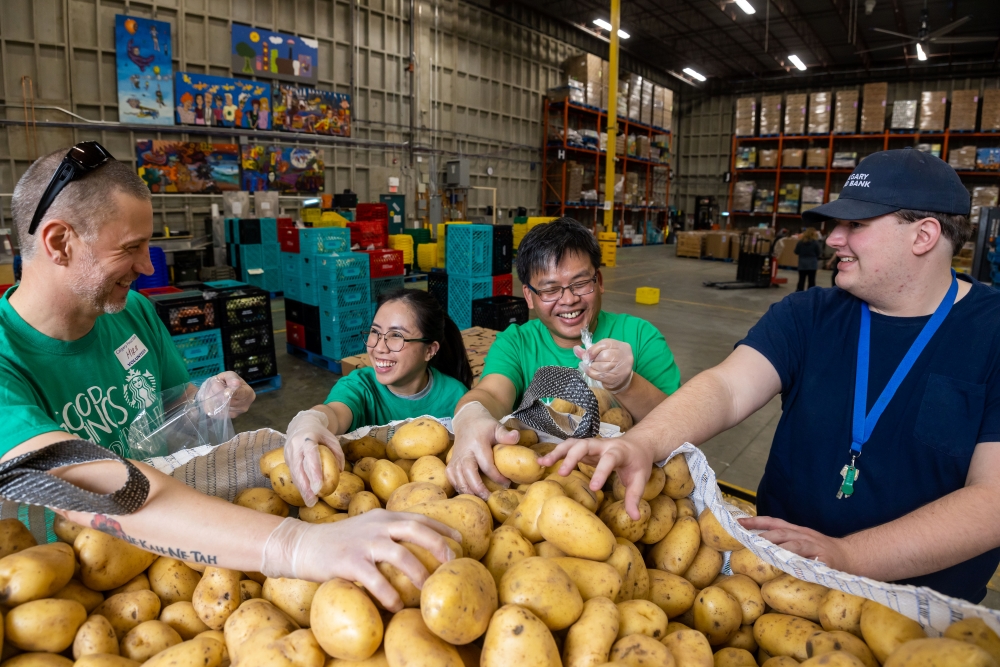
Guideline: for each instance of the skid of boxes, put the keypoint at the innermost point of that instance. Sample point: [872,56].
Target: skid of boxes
[476,287]
[222,325]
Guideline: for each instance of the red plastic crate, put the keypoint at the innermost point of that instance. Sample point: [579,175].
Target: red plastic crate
[285,222]
[288,238]
[295,334]
[369,234]
[153,291]
[503,285]
[385,263]
[375,212]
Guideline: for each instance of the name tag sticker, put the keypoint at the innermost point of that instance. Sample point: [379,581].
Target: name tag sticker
[130,352]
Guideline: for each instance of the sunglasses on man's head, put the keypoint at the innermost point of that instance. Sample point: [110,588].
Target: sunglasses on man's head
[82,159]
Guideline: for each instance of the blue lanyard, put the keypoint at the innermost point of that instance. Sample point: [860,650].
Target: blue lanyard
[863,426]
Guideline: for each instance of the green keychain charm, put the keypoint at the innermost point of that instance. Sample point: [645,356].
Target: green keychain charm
[850,475]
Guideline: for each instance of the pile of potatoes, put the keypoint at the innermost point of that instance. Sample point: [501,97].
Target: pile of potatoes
[548,573]
[607,406]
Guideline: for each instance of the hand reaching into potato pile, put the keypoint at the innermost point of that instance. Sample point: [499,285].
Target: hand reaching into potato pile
[307,433]
[476,432]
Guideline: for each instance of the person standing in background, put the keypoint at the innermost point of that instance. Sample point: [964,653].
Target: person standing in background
[809,250]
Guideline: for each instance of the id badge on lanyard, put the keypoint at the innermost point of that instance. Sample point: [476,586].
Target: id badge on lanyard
[863,425]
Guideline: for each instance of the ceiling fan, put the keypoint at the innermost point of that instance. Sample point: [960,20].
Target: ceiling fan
[925,37]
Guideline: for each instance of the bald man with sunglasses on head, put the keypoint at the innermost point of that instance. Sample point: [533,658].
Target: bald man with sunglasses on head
[559,267]
[81,354]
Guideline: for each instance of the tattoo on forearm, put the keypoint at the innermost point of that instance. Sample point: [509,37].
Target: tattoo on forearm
[106,524]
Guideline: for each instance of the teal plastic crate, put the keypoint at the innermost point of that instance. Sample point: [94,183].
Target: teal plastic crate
[324,240]
[202,371]
[344,331]
[462,291]
[269,231]
[469,250]
[290,286]
[382,286]
[251,257]
[272,254]
[343,295]
[309,268]
[290,263]
[200,349]
[343,267]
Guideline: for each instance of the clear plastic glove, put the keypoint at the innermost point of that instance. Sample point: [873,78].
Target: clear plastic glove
[609,362]
[352,549]
[307,432]
[225,386]
[476,431]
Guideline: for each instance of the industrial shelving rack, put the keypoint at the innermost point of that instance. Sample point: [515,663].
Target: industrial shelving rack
[554,200]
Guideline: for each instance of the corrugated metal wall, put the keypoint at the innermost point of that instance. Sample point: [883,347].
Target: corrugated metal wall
[706,124]
[480,82]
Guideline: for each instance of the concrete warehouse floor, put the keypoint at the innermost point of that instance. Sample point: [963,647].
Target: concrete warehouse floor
[701,325]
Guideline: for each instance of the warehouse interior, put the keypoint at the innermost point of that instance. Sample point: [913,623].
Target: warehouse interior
[413,144]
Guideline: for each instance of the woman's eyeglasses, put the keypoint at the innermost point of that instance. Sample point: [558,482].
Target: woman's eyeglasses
[393,340]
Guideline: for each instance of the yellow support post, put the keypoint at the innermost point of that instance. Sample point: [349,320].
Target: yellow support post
[609,167]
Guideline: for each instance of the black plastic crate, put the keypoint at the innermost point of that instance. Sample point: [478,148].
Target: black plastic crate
[244,306]
[250,231]
[437,285]
[248,340]
[503,249]
[314,340]
[295,311]
[499,312]
[254,367]
[186,313]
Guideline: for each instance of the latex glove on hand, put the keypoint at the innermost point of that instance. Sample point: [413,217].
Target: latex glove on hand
[610,362]
[214,392]
[352,550]
[476,431]
[307,432]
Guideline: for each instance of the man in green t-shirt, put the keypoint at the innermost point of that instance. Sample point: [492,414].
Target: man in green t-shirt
[80,356]
[559,267]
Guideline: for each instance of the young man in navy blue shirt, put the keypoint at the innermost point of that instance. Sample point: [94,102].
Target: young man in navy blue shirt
[886,460]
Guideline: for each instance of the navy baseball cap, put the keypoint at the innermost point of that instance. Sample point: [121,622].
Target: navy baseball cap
[888,181]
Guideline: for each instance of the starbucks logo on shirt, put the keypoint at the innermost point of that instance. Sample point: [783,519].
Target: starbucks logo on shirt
[140,389]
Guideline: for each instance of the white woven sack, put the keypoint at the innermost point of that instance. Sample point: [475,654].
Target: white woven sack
[933,611]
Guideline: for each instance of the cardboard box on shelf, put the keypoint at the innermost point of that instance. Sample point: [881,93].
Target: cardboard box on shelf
[904,115]
[646,110]
[933,149]
[743,195]
[819,113]
[795,114]
[642,146]
[573,180]
[584,71]
[763,201]
[663,107]
[845,116]
[746,157]
[791,158]
[746,117]
[932,107]
[962,159]
[770,114]
[873,102]
[811,195]
[789,196]
[690,244]
[844,160]
[768,158]
[983,195]
[816,158]
[634,96]
[964,109]
[991,111]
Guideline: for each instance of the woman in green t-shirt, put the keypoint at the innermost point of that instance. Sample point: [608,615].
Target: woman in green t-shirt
[419,367]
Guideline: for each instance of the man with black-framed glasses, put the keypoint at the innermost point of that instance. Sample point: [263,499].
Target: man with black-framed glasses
[559,267]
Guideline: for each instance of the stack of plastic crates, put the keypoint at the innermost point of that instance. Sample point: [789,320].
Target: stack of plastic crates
[253,249]
[302,249]
[499,312]
[370,228]
[247,330]
[202,354]
[503,256]
[470,267]
[420,237]
[427,256]
[609,248]
[345,303]
[403,243]
[191,318]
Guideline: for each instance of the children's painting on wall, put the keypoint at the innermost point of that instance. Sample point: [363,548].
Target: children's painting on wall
[223,102]
[145,75]
[285,169]
[274,55]
[188,166]
[309,110]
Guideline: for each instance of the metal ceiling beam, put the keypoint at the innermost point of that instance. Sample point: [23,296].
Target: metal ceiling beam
[805,32]
[900,17]
[844,12]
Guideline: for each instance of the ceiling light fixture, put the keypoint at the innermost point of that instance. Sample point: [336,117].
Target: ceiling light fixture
[746,6]
[694,75]
[920,52]
[604,25]
[797,62]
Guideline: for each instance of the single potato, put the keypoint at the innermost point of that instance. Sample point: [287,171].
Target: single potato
[147,639]
[95,636]
[654,485]
[518,464]
[75,590]
[975,631]
[281,482]
[589,640]
[640,651]
[363,468]
[251,617]
[507,547]
[49,625]
[742,639]
[262,500]
[15,536]
[385,478]
[270,461]
[746,562]
[717,614]
[292,596]
[39,660]
[734,657]
[349,484]
[575,530]
[841,611]
[784,635]
[250,589]
[675,552]
[408,641]
[139,582]
[318,513]
[618,417]
[525,517]
[217,596]
[544,588]
[518,637]
[458,600]
[662,515]
[549,550]
[678,478]
[885,630]
[420,437]
[787,595]
[363,502]
[182,617]
[503,502]
[172,580]
[689,648]
[127,610]
[107,562]
[199,652]
[414,493]
[469,515]
[345,621]
[621,524]
[627,559]
[431,469]
[592,579]
[747,593]
[641,617]
[671,593]
[705,567]
[714,535]
[939,651]
[839,641]
[64,529]
[364,447]
[35,572]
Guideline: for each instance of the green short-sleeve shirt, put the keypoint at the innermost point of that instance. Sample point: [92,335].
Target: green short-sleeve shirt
[522,349]
[372,404]
[93,387]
